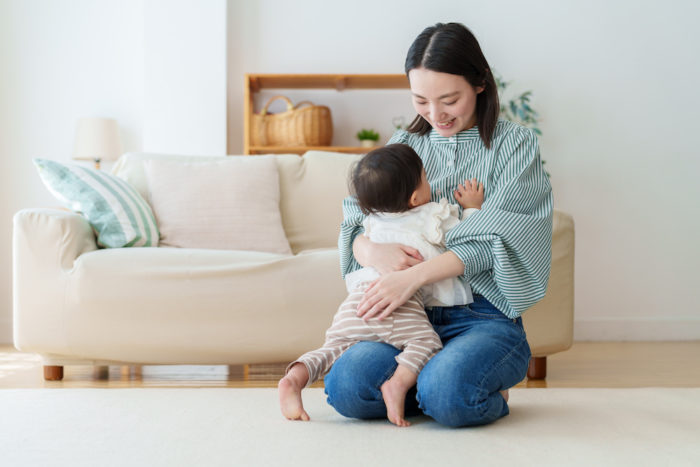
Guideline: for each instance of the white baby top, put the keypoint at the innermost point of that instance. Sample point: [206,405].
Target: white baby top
[423,228]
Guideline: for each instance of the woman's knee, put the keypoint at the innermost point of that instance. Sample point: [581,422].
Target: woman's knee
[352,385]
[456,391]
[463,405]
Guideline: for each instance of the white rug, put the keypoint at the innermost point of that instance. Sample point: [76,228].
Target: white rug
[243,427]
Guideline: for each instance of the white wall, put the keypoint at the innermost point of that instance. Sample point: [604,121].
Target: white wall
[65,60]
[59,61]
[185,77]
[615,85]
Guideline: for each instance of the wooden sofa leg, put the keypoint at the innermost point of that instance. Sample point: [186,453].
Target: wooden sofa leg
[53,373]
[537,368]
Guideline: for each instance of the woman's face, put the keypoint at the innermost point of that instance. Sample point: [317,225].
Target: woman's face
[446,101]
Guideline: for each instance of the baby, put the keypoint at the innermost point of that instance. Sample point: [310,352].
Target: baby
[391,187]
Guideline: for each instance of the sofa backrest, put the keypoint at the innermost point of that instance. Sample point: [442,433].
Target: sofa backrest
[312,189]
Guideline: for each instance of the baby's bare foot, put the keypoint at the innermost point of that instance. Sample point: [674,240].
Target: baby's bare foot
[394,399]
[290,396]
[504,393]
[394,393]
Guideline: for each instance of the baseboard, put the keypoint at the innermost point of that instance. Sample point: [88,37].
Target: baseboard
[635,329]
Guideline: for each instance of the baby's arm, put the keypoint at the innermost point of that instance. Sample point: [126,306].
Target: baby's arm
[470,195]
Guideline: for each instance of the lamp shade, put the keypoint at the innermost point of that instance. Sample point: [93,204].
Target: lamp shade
[97,139]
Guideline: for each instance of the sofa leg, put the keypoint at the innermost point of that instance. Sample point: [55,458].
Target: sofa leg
[537,368]
[100,372]
[53,373]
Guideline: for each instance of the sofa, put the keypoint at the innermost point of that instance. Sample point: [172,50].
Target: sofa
[78,304]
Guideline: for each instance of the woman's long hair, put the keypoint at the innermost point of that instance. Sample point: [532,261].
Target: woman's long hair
[452,48]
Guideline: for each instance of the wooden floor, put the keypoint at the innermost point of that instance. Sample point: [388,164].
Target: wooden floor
[586,364]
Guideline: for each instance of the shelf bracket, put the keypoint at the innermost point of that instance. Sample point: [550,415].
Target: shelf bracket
[341,83]
[254,85]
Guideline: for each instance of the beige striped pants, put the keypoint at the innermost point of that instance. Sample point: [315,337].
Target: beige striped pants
[407,329]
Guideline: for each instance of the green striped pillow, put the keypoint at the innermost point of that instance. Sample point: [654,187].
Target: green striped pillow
[116,211]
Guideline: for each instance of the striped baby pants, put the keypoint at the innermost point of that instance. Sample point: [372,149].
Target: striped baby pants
[407,329]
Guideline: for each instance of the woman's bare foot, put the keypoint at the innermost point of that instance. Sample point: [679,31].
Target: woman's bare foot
[290,392]
[394,393]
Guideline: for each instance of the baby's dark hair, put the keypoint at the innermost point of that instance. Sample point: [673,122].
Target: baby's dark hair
[384,179]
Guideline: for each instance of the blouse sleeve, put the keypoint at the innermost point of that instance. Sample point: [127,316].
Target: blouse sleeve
[511,235]
[352,226]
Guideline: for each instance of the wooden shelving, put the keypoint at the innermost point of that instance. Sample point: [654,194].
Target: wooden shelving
[256,82]
[303,149]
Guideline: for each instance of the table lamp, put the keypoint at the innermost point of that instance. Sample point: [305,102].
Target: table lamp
[97,139]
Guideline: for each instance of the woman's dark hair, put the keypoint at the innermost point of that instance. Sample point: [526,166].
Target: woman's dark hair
[385,178]
[452,48]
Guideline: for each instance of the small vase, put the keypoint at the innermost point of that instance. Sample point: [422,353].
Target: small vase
[367,143]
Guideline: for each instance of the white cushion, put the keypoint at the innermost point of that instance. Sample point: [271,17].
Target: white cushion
[231,204]
[319,180]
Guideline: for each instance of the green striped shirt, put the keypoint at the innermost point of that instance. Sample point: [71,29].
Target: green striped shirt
[506,246]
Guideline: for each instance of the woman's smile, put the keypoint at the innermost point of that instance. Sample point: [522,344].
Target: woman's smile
[446,124]
[446,101]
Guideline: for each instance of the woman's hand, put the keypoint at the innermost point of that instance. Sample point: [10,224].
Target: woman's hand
[393,289]
[385,257]
[387,293]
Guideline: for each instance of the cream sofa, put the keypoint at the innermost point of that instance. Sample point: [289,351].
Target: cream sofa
[77,304]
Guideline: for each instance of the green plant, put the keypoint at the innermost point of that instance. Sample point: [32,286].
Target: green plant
[367,135]
[518,109]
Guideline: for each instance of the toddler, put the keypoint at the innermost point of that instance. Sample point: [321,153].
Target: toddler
[391,187]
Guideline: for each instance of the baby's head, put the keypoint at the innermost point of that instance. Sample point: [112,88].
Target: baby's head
[390,179]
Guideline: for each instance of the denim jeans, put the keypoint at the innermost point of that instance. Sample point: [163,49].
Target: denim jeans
[484,352]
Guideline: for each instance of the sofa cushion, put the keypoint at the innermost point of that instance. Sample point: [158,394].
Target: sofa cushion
[231,204]
[115,210]
[130,166]
[177,305]
[312,190]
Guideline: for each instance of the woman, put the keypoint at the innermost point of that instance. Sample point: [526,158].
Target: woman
[503,251]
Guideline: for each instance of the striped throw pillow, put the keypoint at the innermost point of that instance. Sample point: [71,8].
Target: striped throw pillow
[117,212]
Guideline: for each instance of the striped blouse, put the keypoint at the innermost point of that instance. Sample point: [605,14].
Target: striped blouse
[506,246]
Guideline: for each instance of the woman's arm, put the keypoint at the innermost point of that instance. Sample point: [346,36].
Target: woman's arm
[350,229]
[506,246]
[504,249]
[392,290]
[385,257]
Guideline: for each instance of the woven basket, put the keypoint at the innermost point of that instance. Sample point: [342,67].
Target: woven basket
[297,126]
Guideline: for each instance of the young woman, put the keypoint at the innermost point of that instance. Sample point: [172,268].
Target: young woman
[503,250]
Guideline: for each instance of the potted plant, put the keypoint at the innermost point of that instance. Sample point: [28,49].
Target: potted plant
[518,109]
[368,138]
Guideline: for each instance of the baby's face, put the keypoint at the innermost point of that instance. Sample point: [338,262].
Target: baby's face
[423,191]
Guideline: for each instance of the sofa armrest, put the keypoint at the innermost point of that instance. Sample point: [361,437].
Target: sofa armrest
[41,235]
[550,322]
[45,245]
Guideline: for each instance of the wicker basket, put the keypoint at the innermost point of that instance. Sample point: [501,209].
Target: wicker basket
[297,126]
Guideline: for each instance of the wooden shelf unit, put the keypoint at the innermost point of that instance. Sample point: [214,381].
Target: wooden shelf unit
[256,82]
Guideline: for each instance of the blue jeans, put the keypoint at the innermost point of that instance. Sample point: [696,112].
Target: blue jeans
[484,352]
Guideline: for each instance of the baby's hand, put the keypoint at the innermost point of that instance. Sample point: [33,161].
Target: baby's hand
[471,194]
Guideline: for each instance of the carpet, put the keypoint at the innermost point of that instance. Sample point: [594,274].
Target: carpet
[243,427]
